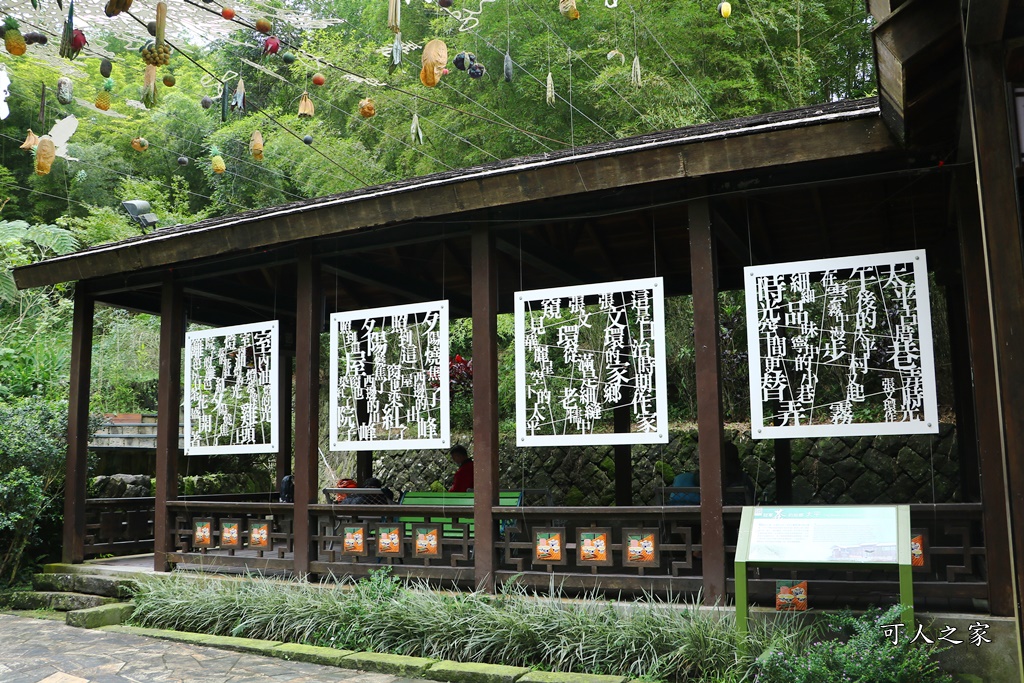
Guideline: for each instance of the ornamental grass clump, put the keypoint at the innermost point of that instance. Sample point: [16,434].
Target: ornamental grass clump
[649,639]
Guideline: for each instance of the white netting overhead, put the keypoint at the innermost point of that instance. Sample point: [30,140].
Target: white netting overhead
[188,22]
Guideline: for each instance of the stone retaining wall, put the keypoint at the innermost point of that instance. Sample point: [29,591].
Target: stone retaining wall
[855,470]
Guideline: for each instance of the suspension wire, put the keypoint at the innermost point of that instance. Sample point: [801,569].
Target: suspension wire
[764,39]
[682,73]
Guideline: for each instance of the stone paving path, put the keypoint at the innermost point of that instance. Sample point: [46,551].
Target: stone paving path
[42,651]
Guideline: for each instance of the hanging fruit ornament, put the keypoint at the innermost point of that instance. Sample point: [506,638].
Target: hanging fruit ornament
[568,9]
[367,108]
[33,38]
[634,74]
[105,67]
[78,42]
[396,53]
[477,70]
[319,79]
[103,97]
[238,99]
[149,86]
[445,3]
[13,40]
[183,161]
[45,154]
[206,102]
[395,15]
[549,93]
[415,131]
[271,46]
[151,28]
[30,140]
[464,60]
[508,68]
[140,144]
[217,161]
[228,13]
[169,80]
[308,139]
[67,34]
[725,9]
[65,90]
[256,145]
[115,7]
[306,109]
[435,57]
[288,58]
[263,25]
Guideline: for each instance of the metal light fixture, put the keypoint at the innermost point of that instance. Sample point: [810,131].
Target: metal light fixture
[141,213]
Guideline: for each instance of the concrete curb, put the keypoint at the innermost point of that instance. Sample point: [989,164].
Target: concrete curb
[398,665]
[469,672]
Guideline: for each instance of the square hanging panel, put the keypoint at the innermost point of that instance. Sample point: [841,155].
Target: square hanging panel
[231,390]
[841,347]
[586,355]
[389,378]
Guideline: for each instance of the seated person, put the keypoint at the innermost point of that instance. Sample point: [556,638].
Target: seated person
[733,477]
[385,497]
[464,474]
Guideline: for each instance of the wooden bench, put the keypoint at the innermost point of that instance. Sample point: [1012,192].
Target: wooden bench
[446,499]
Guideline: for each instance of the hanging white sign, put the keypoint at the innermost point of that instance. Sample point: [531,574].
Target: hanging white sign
[231,390]
[841,347]
[389,378]
[582,353]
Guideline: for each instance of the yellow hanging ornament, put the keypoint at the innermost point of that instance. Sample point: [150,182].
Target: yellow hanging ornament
[31,140]
[140,144]
[725,9]
[45,154]
[217,161]
[256,145]
[367,108]
[394,15]
[568,9]
[306,108]
[435,57]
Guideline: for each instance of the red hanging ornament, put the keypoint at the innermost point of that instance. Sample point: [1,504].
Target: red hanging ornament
[271,45]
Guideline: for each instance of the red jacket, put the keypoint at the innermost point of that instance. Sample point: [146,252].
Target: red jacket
[463,478]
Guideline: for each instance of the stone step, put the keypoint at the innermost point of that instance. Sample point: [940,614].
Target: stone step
[55,600]
[107,586]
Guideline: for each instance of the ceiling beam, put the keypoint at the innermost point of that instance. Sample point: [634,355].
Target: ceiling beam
[232,294]
[540,259]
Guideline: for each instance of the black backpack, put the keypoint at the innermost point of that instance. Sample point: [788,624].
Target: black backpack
[287,493]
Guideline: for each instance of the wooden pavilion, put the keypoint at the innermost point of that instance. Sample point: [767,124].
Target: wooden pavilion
[932,162]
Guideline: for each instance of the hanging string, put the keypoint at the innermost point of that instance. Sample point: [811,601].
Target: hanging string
[572,130]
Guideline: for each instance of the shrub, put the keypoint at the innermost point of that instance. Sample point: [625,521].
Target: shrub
[33,444]
[862,652]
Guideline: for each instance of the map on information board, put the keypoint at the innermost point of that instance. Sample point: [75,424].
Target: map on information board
[844,535]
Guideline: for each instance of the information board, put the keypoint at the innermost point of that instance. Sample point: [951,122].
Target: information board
[823,535]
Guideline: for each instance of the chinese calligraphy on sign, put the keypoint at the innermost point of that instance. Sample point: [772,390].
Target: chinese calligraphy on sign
[389,378]
[584,352]
[231,399]
[841,347]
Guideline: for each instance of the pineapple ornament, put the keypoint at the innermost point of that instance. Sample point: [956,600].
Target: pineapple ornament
[217,161]
[103,97]
[13,40]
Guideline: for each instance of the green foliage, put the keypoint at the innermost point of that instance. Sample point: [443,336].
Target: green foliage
[650,639]
[32,448]
[863,652]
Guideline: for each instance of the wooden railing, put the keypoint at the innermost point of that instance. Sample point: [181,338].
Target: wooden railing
[642,549]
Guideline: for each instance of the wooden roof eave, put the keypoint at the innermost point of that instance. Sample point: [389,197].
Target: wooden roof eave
[811,134]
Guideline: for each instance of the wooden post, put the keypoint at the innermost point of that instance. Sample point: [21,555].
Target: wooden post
[307,404]
[703,269]
[485,402]
[364,466]
[284,453]
[172,341]
[783,472]
[78,428]
[988,442]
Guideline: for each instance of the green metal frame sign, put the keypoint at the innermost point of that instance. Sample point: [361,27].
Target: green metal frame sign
[847,537]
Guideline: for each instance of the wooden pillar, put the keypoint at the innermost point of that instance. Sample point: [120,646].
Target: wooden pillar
[364,466]
[1004,272]
[783,472]
[284,453]
[172,341]
[307,404]
[485,402]
[78,427]
[703,269]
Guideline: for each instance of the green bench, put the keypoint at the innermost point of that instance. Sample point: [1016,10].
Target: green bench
[465,500]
